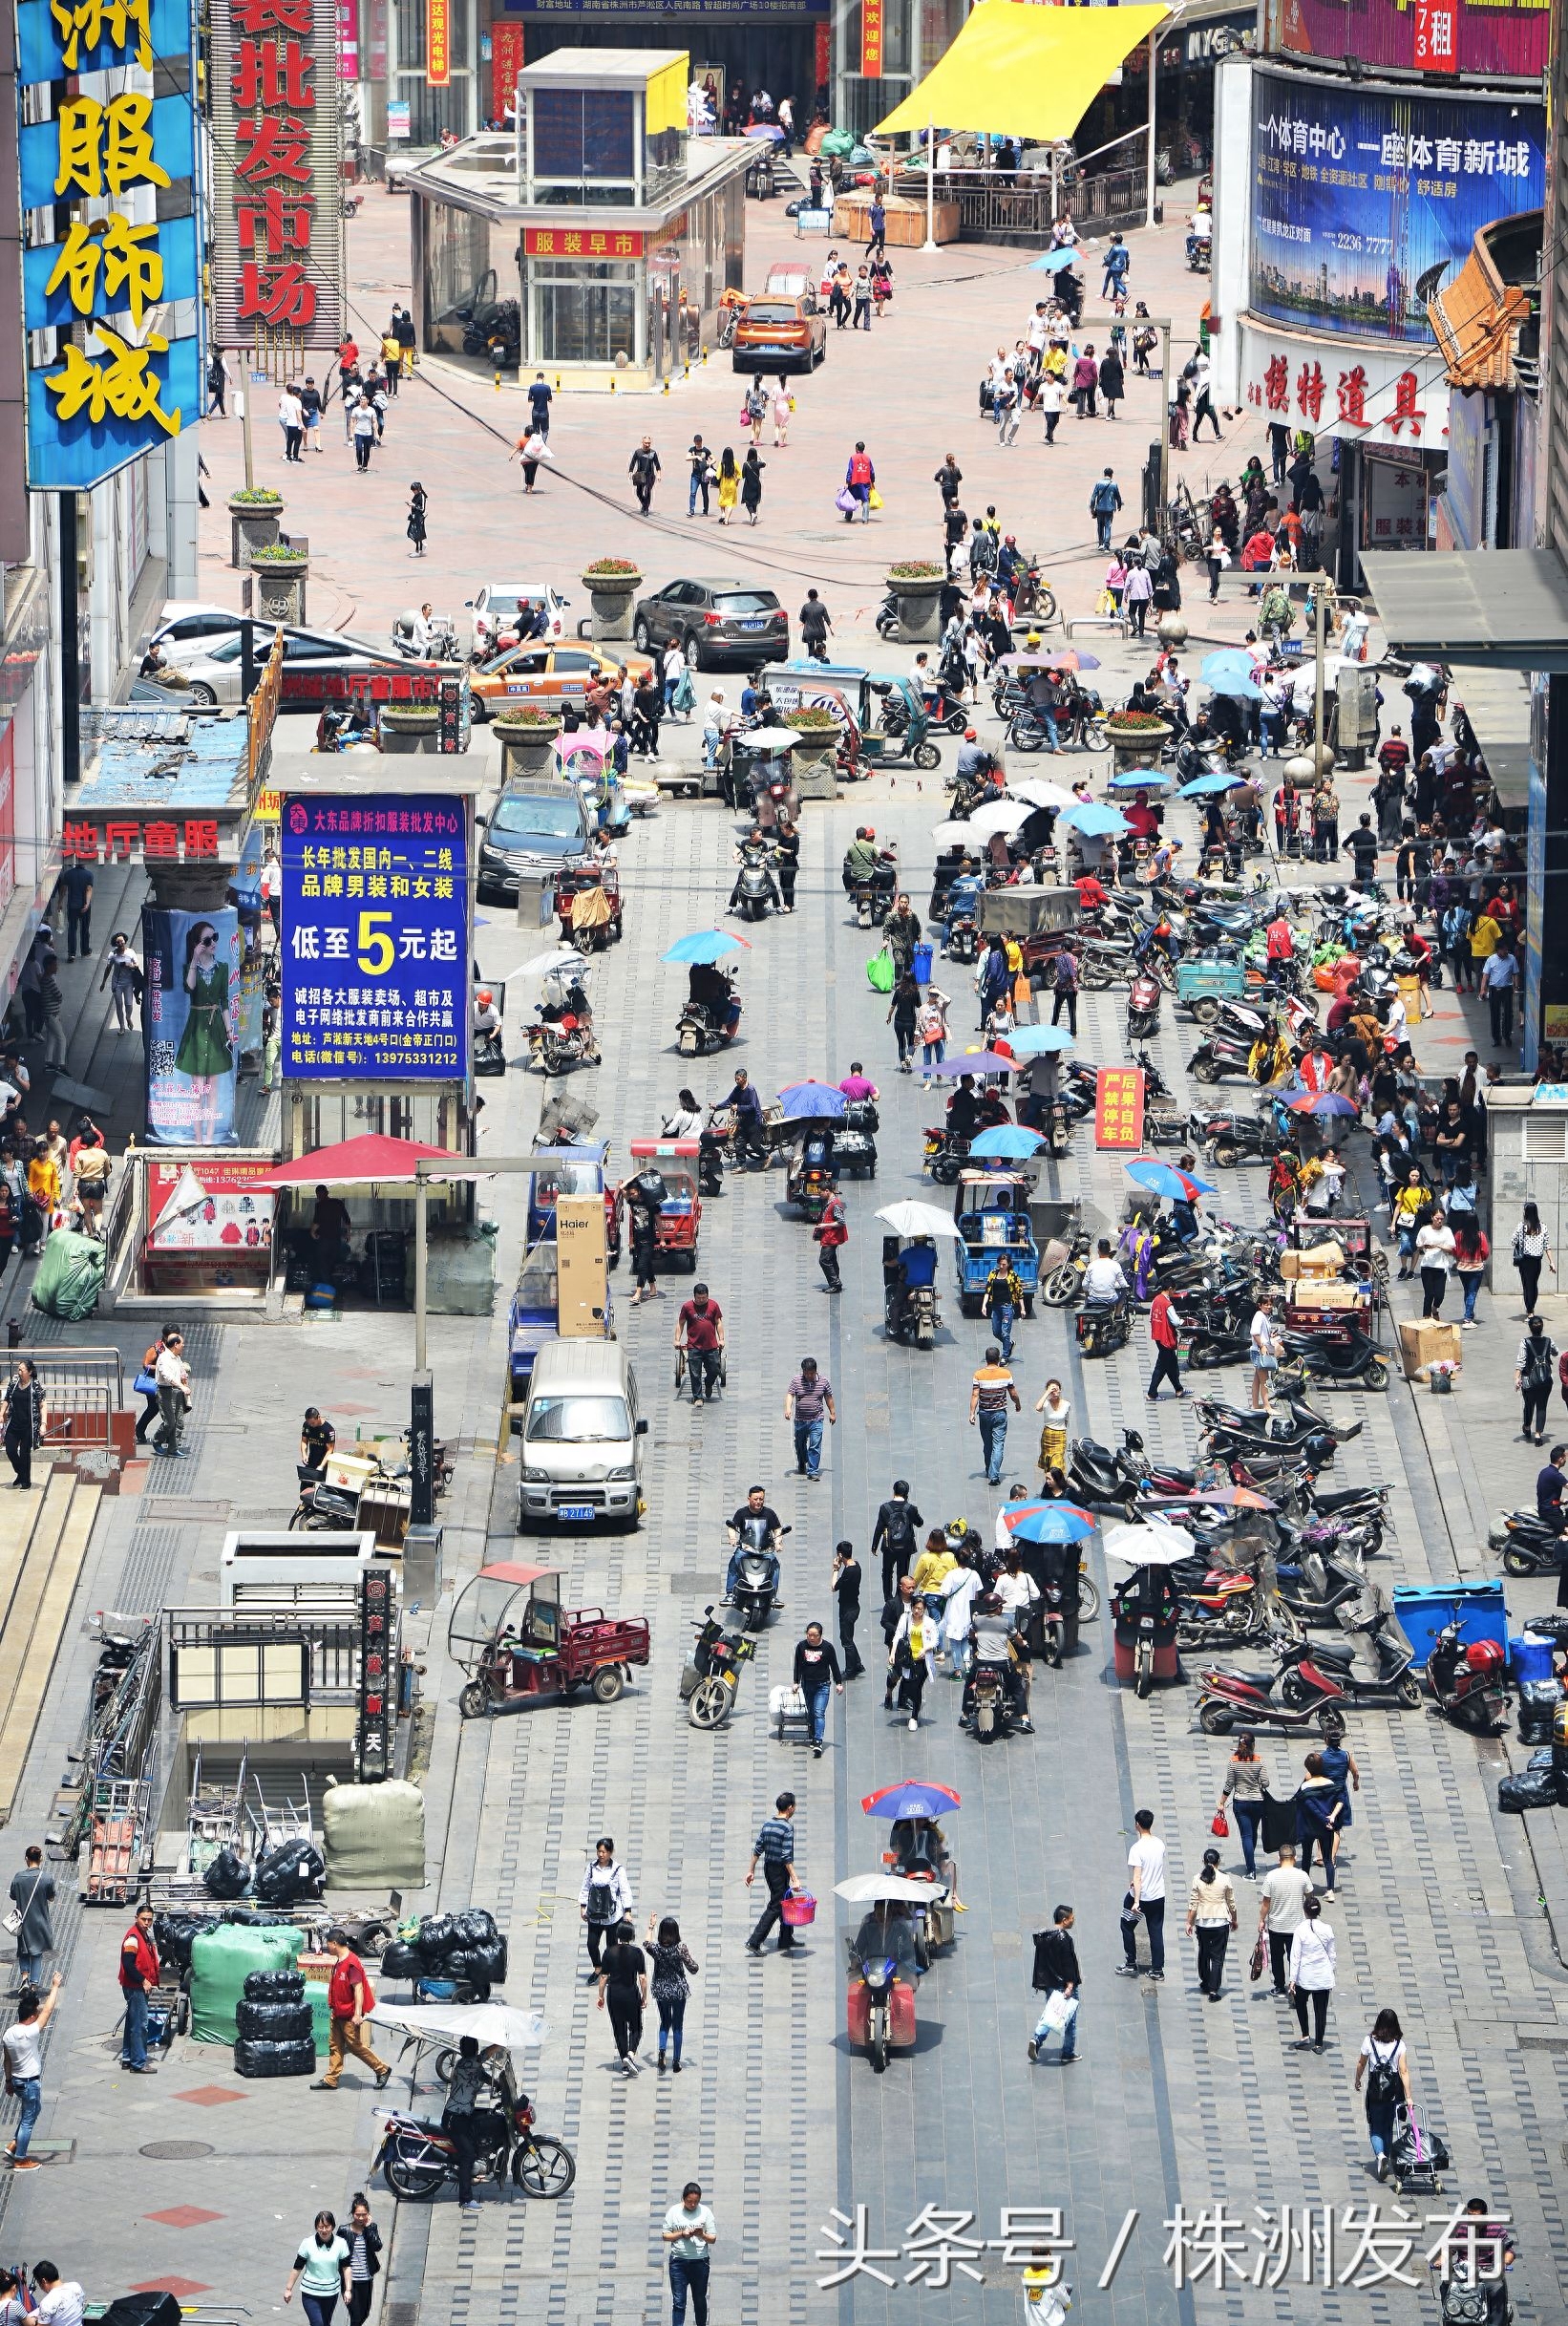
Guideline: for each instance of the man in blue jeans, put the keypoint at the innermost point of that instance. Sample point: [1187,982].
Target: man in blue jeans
[805,1401]
[138,1970]
[689,2230]
[816,1671]
[25,2067]
[988,1394]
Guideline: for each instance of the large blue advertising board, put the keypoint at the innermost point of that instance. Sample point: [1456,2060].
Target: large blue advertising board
[1365,200]
[376,939]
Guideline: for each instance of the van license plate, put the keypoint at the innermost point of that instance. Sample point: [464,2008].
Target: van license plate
[574,1510]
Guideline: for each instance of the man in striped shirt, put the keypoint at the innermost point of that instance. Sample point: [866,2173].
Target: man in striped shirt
[988,1394]
[774,1851]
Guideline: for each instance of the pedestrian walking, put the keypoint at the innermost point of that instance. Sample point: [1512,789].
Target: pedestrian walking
[807,1400]
[1001,1302]
[32,1896]
[1246,1790]
[311,408]
[364,2258]
[1265,1343]
[1534,1368]
[816,622]
[1104,504]
[1145,1896]
[643,470]
[903,1010]
[783,412]
[1065,990]
[25,2068]
[1058,1977]
[700,476]
[688,2232]
[321,2271]
[25,1412]
[699,1330]
[642,1205]
[292,420]
[122,974]
[1385,2068]
[1280,1906]
[220,379]
[1112,381]
[173,1376]
[1434,1251]
[351,1999]
[605,1899]
[1499,975]
[931,1032]
[78,882]
[831,1234]
[989,1391]
[846,1591]
[895,1534]
[859,483]
[1311,1973]
[911,1652]
[862,300]
[540,396]
[1056,1413]
[773,1850]
[1319,1812]
[1211,1914]
[419,501]
[623,1991]
[1164,1332]
[362,428]
[1531,1251]
[1472,1250]
[54,1000]
[670,1961]
[729,484]
[138,1970]
[751,484]
[1217,557]
[816,1671]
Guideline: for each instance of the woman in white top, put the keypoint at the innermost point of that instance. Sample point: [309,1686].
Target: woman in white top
[1055,1414]
[1386,2067]
[1435,1257]
[1211,1911]
[959,1591]
[1311,1973]
[909,1656]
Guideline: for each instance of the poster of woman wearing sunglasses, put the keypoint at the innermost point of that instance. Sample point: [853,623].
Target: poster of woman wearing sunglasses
[192,971]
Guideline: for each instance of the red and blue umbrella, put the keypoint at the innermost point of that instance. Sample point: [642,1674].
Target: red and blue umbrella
[1323,1102]
[1048,1523]
[911,1797]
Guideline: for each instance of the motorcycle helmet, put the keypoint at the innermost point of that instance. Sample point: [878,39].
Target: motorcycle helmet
[1319,1450]
[1485,1658]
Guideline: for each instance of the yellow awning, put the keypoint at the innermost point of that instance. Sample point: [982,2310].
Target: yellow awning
[1022,70]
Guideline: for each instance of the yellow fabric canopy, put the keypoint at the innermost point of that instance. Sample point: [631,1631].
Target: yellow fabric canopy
[1024,70]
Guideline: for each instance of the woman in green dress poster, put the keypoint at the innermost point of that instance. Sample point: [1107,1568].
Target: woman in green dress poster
[206,1051]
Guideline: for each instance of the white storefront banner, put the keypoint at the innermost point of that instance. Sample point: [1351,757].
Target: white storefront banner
[1394,395]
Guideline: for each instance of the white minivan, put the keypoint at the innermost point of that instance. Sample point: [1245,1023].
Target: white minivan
[581,1438]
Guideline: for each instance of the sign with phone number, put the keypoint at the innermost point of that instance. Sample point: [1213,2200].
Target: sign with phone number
[375,941]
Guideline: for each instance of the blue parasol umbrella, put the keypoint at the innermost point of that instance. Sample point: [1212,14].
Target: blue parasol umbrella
[1164,1179]
[911,1797]
[1215,781]
[1008,1142]
[1048,1523]
[1034,1041]
[975,1062]
[1323,1102]
[812,1101]
[1228,661]
[1051,262]
[1096,821]
[707,945]
[1246,690]
[1139,780]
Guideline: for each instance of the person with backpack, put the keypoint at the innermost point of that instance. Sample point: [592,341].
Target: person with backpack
[1104,504]
[1535,1370]
[605,1898]
[1385,2068]
[895,1536]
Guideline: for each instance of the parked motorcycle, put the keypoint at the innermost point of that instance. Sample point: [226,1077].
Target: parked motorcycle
[754,884]
[709,1682]
[1528,1545]
[1142,1007]
[1468,1684]
[1339,1350]
[946,1155]
[1315,1674]
[1102,1327]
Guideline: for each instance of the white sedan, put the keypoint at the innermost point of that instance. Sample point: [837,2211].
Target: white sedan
[500,608]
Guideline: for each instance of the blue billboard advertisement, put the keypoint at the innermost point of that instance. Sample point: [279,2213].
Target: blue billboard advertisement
[375,940]
[191,972]
[1365,200]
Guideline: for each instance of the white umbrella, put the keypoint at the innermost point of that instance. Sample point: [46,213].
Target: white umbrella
[954,835]
[1040,794]
[767,738]
[557,957]
[908,1218]
[1156,1545]
[869,1889]
[493,2025]
[1000,816]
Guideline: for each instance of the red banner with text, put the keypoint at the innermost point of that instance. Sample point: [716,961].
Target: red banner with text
[1118,1108]
[871,39]
[505,64]
[438,43]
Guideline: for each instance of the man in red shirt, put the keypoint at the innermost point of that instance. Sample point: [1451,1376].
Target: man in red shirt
[1162,1331]
[350,1997]
[699,1330]
[830,1234]
[138,1968]
[1091,895]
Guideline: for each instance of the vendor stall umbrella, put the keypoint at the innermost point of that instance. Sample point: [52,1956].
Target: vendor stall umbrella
[1040,1041]
[1154,1544]
[911,1797]
[1164,1179]
[707,945]
[812,1101]
[910,1218]
[1048,1523]
[1216,780]
[1096,820]
[975,1062]
[1006,1143]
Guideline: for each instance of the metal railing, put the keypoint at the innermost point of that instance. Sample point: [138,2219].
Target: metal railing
[82,1389]
[995,207]
[333,1642]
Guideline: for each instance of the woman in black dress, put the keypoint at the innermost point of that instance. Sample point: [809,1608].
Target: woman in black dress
[416,518]
[622,1989]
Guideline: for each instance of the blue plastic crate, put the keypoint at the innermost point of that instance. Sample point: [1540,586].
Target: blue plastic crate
[1425,1609]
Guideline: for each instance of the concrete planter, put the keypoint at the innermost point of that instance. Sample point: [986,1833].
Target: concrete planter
[918,609]
[280,589]
[252,525]
[527,752]
[611,596]
[816,764]
[406,729]
[1141,749]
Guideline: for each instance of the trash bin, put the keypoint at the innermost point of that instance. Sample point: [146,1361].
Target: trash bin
[922,964]
[1531,1657]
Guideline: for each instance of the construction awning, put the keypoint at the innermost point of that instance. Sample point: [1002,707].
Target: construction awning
[1016,70]
[1501,609]
[1475,321]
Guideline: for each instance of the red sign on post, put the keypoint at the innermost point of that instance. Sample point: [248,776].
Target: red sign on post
[505,64]
[1118,1107]
[437,43]
[1437,35]
[871,39]
[583,243]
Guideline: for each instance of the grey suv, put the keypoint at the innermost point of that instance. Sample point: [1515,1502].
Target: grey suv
[714,622]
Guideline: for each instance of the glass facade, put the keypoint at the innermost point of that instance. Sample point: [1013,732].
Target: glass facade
[584,146]
[583,311]
[468,285]
[433,113]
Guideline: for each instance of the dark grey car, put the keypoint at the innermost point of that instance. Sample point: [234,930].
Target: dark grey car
[714,622]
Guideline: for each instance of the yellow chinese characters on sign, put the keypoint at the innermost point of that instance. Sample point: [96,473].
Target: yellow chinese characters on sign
[1118,1108]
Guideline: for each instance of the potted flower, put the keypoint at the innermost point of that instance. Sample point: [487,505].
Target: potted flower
[917,585]
[254,514]
[611,584]
[410,727]
[1134,735]
[817,734]
[281,573]
[528,733]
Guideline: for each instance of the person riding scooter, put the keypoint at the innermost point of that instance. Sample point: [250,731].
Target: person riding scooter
[917,1266]
[711,991]
[992,1637]
[753,849]
[755,1518]
[887,1934]
[860,859]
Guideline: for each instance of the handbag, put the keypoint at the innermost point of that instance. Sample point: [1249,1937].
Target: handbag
[1259,1955]
[876,497]
[844,501]
[1219,1823]
[880,972]
[1058,2012]
[18,1915]
[145,1384]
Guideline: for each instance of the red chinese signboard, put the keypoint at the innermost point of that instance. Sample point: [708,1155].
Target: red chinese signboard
[505,64]
[1118,1108]
[1433,36]
[438,43]
[583,243]
[1370,396]
[161,840]
[277,271]
[871,38]
[1437,35]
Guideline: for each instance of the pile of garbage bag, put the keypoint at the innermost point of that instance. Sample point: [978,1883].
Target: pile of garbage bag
[291,1873]
[1542,1783]
[465,1947]
[175,1933]
[276,2026]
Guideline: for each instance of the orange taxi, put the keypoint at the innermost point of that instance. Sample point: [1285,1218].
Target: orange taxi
[539,670]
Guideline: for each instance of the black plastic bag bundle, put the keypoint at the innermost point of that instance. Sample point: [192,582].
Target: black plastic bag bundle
[437,1937]
[293,2022]
[227,1877]
[398,1961]
[292,1870]
[257,2056]
[1532,1789]
[475,1927]
[174,1934]
[274,1987]
[1539,1700]
[253,1917]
